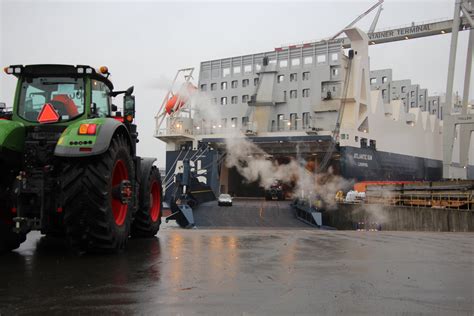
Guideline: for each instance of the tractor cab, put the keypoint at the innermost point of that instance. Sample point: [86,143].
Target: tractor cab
[61,94]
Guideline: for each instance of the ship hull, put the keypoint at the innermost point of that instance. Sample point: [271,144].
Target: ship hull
[366,164]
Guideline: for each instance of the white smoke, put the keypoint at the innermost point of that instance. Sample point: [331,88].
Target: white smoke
[255,166]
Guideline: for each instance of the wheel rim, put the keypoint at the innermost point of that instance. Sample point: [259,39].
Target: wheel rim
[155,201]
[119,210]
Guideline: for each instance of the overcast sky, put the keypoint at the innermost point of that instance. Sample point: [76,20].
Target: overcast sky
[144,42]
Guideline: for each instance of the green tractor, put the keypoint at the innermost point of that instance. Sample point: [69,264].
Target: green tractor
[69,165]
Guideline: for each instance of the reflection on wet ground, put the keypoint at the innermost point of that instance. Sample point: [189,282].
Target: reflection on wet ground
[284,271]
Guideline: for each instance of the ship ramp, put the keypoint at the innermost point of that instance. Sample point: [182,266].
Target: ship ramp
[247,212]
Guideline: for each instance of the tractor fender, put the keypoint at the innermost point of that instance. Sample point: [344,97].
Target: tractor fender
[71,144]
[12,136]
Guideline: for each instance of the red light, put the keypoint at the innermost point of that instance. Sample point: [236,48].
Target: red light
[13,210]
[91,129]
[48,114]
[87,129]
[59,210]
[85,149]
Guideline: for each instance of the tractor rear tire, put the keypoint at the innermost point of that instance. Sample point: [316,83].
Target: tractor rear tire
[95,219]
[148,217]
[9,240]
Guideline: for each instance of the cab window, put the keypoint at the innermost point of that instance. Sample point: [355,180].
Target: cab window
[101,98]
[65,94]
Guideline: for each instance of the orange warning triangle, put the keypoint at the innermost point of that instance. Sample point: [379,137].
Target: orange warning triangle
[48,114]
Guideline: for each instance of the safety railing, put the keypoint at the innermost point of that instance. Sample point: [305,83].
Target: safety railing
[448,200]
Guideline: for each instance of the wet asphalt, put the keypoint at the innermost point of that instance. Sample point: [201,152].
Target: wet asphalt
[246,270]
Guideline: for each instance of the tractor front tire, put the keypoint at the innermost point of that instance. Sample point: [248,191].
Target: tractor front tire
[148,217]
[96,219]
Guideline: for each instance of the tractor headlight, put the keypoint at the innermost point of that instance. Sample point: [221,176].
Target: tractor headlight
[8,70]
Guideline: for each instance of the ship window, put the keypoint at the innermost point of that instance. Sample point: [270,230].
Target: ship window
[384,93]
[293,94]
[295,62]
[334,88]
[255,81]
[308,60]
[373,144]
[224,100]
[234,84]
[245,98]
[335,71]
[421,97]
[412,94]
[234,122]
[305,93]
[280,78]
[306,75]
[305,119]
[384,79]
[292,122]
[334,56]
[258,67]
[272,62]
[404,89]
[224,85]
[213,86]
[280,119]
[233,100]
[237,70]
[245,83]
[203,87]
[363,143]
[356,138]
[245,121]
[273,126]
[284,96]
[373,80]
[248,69]
[283,63]
[225,72]
[293,77]
[321,59]
[412,104]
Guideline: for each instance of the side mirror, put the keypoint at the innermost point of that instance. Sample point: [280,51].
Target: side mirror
[129,107]
[94,109]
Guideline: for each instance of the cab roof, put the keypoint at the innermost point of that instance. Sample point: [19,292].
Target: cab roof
[59,70]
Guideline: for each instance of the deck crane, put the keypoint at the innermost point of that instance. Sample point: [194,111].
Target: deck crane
[176,99]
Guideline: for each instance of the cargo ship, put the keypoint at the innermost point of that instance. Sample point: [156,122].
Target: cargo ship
[318,103]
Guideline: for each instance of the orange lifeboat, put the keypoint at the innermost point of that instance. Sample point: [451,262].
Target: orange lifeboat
[170,105]
[179,99]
